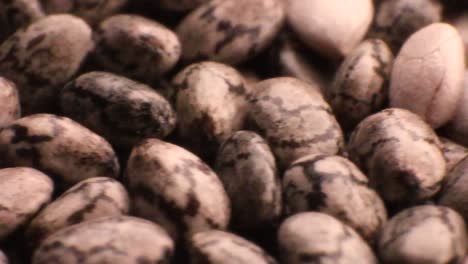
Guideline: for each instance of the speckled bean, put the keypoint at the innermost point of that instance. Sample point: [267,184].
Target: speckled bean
[136,47]
[175,189]
[24,192]
[294,119]
[58,146]
[218,247]
[230,31]
[121,110]
[204,124]
[107,240]
[319,238]
[335,186]
[400,154]
[247,168]
[360,86]
[88,200]
[423,234]
[42,57]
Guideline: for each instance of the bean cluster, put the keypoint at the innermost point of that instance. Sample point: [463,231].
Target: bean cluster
[233,131]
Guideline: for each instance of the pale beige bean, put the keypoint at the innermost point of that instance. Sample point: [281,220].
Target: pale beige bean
[428,74]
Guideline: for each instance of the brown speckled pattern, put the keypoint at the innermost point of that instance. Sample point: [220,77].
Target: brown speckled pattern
[42,57]
[92,11]
[121,110]
[335,186]
[230,31]
[204,124]
[360,86]
[294,119]
[88,200]
[218,247]
[175,189]
[424,234]
[247,168]
[10,108]
[59,147]
[24,192]
[400,154]
[107,240]
[319,238]
[136,47]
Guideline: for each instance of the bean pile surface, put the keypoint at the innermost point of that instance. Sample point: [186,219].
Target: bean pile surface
[233,131]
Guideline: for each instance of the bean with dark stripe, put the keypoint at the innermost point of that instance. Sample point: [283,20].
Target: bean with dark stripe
[121,110]
[400,154]
[117,239]
[88,200]
[174,188]
[58,146]
[294,119]
[424,234]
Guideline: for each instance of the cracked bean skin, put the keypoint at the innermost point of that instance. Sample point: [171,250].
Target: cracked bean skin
[92,11]
[181,5]
[204,124]
[218,247]
[174,188]
[423,234]
[396,20]
[294,119]
[119,239]
[400,154]
[88,200]
[136,47]
[42,57]
[453,153]
[319,238]
[453,193]
[230,31]
[247,168]
[360,86]
[327,27]
[335,186]
[24,192]
[121,110]
[59,147]
[15,14]
[10,108]
[428,74]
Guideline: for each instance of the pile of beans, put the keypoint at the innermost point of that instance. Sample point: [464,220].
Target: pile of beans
[233,131]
